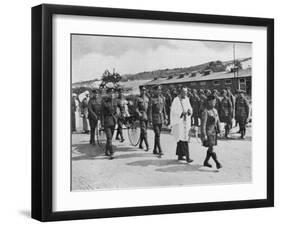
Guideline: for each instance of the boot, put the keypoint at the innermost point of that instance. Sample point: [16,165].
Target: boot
[214,156]
[186,150]
[206,161]
[155,150]
[243,132]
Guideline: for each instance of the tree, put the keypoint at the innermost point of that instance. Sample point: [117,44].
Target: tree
[108,77]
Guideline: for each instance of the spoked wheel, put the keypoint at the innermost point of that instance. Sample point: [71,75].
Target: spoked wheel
[101,137]
[134,134]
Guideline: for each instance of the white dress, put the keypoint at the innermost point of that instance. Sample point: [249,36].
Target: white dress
[180,126]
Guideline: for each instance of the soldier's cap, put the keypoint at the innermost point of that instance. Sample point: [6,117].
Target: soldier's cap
[194,91]
[74,95]
[119,89]
[87,92]
[215,91]
[109,89]
[240,91]
[94,91]
[156,87]
[211,97]
[201,91]
[223,91]
[142,88]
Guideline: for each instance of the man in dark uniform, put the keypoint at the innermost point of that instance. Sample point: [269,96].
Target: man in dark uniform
[121,101]
[142,103]
[158,117]
[226,112]
[242,110]
[108,120]
[94,106]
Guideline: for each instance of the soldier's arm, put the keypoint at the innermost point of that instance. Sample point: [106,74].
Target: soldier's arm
[164,111]
[203,124]
[247,105]
[91,112]
[136,104]
[149,111]
[218,123]
[230,106]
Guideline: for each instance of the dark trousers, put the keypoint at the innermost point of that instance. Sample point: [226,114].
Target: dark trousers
[242,125]
[73,123]
[119,128]
[182,149]
[109,131]
[157,132]
[93,125]
[143,132]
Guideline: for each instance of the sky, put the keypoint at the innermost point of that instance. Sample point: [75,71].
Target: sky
[92,55]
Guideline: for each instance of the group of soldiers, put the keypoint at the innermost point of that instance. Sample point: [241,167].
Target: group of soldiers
[153,107]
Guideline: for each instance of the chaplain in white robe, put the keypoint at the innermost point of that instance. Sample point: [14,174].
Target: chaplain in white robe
[180,116]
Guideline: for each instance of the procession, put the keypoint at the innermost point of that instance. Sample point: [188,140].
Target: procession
[149,112]
[205,117]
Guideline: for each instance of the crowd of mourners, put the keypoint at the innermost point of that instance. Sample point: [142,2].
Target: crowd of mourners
[181,109]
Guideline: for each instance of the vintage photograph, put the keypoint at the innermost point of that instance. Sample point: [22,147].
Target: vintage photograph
[157,112]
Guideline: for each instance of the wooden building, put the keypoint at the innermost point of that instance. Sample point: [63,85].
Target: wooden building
[241,79]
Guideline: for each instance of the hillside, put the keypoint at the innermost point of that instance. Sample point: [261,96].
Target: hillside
[216,66]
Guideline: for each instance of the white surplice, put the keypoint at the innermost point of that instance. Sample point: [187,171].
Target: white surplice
[180,125]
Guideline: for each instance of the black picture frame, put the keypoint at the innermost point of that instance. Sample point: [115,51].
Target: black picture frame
[42,111]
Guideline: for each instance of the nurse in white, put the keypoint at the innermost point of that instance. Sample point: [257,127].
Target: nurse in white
[181,112]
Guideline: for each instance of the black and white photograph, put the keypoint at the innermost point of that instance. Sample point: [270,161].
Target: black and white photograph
[159,112]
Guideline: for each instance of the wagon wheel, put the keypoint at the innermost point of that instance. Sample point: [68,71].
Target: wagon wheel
[134,134]
[101,137]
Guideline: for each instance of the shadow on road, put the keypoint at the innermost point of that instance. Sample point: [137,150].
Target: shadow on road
[86,151]
[174,165]
[180,168]
[155,162]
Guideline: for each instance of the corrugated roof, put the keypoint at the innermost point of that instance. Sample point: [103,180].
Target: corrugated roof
[213,76]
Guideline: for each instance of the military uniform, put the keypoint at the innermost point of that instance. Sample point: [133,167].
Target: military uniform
[109,119]
[225,114]
[142,104]
[210,127]
[157,115]
[94,107]
[242,109]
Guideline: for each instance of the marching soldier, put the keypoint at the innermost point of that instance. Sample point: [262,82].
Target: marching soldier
[242,110]
[94,114]
[226,112]
[142,104]
[209,129]
[121,102]
[157,116]
[108,113]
